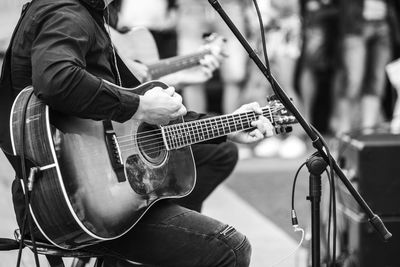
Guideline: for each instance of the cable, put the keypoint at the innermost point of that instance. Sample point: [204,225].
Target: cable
[296,229]
[293,189]
[27,220]
[329,217]
[294,221]
[264,45]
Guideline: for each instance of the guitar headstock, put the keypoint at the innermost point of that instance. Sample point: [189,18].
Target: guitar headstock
[215,44]
[282,119]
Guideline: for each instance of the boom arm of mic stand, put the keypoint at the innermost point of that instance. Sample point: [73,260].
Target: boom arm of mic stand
[317,143]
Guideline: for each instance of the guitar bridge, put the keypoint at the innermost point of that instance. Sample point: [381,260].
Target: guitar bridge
[113,151]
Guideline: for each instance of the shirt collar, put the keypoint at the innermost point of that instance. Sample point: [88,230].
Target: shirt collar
[97,4]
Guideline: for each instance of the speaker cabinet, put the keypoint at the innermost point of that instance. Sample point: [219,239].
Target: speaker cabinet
[364,247]
[372,164]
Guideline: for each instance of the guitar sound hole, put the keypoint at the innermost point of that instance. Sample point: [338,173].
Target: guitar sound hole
[151,144]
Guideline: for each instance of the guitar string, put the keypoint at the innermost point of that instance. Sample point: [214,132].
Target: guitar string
[156,146]
[190,128]
[160,146]
[180,142]
[160,140]
[265,112]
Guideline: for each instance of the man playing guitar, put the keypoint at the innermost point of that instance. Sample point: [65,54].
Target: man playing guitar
[63,49]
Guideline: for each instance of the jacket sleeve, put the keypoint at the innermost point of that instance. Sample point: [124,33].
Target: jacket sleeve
[59,72]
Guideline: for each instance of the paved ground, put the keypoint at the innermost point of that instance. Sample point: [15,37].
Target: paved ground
[271,245]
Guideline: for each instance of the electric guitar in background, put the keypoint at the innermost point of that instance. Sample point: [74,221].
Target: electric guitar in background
[94,180]
[138,45]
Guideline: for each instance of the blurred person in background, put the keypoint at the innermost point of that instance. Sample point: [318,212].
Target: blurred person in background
[368,29]
[198,17]
[282,28]
[159,16]
[319,53]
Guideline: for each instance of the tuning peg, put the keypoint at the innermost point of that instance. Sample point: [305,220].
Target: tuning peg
[282,130]
[272,98]
[275,98]
[207,35]
[292,119]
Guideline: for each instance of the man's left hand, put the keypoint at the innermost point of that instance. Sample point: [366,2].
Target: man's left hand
[263,126]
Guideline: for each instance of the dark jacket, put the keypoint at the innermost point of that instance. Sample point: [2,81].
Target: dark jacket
[64,51]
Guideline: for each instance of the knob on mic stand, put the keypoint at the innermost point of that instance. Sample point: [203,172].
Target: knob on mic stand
[316,166]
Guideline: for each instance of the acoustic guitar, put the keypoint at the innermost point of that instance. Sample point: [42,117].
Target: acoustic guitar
[95,179]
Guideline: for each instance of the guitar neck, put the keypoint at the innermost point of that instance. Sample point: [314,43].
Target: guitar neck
[188,133]
[174,64]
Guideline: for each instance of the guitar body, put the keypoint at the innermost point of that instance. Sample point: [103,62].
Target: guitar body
[79,198]
[137,44]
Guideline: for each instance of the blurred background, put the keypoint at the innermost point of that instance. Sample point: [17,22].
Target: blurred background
[335,58]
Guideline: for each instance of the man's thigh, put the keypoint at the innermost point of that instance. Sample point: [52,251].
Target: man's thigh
[170,235]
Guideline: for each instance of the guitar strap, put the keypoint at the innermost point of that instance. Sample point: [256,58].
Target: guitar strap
[7,94]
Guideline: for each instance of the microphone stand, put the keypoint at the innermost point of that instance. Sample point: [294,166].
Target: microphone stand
[318,144]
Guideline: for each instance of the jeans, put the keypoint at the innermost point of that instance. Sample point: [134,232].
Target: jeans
[364,59]
[172,235]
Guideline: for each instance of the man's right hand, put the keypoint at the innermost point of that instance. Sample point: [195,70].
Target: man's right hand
[160,106]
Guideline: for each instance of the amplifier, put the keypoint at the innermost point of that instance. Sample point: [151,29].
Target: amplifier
[365,248]
[372,164]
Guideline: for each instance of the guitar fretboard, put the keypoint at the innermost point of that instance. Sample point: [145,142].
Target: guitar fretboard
[171,65]
[187,133]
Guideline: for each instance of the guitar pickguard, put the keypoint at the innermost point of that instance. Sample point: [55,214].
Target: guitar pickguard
[143,178]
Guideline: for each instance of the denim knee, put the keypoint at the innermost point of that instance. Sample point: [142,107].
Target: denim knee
[239,246]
